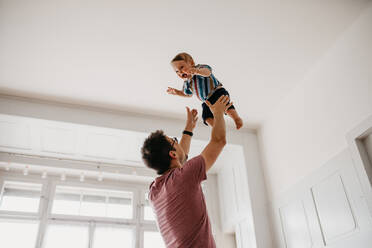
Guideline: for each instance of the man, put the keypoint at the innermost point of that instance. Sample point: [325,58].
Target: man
[176,196]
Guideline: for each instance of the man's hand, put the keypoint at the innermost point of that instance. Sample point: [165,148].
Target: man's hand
[220,106]
[192,117]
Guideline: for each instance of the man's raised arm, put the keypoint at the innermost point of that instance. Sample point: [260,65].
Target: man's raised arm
[218,136]
[192,117]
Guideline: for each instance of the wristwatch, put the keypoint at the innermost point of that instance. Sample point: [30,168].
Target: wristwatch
[188,133]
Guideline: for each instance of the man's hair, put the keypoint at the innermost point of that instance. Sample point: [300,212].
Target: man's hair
[185,57]
[155,152]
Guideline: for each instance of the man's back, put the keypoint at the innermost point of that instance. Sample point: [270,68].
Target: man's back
[179,204]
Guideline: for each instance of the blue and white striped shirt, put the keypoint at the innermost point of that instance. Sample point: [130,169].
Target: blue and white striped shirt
[203,87]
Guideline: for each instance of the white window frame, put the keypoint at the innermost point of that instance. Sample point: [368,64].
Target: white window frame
[15,214]
[133,190]
[44,216]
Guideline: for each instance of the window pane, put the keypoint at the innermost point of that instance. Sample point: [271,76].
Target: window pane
[62,236]
[66,203]
[148,213]
[93,202]
[19,196]
[153,239]
[115,237]
[119,207]
[16,234]
[93,205]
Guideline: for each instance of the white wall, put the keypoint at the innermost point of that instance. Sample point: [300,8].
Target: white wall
[310,125]
[315,194]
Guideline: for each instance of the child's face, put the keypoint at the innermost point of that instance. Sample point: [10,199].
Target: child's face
[182,68]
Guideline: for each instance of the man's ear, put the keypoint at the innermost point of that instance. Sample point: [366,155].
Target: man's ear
[172,154]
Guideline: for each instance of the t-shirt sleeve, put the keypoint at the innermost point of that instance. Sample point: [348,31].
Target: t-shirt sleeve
[186,88]
[194,170]
[204,66]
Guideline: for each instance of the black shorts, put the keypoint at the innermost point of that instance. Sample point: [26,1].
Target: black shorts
[207,113]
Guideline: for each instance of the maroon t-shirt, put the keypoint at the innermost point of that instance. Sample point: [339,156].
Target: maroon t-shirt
[178,203]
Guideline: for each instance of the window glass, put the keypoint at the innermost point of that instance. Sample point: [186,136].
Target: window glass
[16,234]
[148,213]
[115,237]
[93,205]
[153,239]
[66,202]
[62,236]
[119,207]
[20,196]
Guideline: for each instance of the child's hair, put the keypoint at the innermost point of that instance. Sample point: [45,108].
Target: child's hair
[185,57]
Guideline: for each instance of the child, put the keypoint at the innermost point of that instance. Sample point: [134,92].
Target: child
[199,79]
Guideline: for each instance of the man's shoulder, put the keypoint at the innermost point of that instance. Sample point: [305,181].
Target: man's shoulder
[159,181]
[196,159]
[151,184]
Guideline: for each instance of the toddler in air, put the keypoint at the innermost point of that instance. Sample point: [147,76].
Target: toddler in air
[199,80]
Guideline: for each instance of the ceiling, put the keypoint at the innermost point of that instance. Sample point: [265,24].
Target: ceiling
[115,54]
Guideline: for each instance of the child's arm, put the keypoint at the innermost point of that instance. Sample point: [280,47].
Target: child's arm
[173,91]
[203,71]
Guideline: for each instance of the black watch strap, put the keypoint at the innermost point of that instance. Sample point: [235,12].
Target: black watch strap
[188,133]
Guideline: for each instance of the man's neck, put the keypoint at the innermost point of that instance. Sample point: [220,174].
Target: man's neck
[174,164]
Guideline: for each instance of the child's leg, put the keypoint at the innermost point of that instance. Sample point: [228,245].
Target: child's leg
[210,121]
[234,115]
[207,115]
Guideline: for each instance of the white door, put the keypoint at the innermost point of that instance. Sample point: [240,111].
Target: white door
[244,234]
[227,192]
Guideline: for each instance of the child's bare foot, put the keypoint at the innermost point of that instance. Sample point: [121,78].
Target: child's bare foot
[234,115]
[238,122]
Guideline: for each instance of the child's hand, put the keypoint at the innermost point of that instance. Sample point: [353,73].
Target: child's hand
[191,71]
[172,91]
